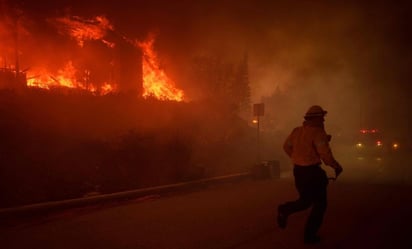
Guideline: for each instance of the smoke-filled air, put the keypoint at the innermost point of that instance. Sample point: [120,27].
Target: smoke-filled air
[107,96]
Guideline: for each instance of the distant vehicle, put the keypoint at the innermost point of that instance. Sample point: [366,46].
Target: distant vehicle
[373,143]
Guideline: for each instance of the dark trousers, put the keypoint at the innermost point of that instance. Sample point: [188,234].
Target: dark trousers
[311,183]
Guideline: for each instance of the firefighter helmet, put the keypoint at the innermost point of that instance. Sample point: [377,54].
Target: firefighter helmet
[315,111]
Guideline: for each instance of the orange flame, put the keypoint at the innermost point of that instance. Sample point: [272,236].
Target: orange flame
[86,29]
[155,81]
[65,77]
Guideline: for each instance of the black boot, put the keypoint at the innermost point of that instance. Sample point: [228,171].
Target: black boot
[311,239]
[282,218]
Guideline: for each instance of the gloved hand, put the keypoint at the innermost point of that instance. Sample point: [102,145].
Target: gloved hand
[329,137]
[338,171]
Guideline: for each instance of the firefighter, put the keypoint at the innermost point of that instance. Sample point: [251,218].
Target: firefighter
[308,147]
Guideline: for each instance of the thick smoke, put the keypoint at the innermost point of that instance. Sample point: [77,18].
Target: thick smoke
[352,59]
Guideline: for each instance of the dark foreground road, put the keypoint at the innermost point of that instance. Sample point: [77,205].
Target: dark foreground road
[366,210]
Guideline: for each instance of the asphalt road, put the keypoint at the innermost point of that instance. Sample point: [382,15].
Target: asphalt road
[368,208]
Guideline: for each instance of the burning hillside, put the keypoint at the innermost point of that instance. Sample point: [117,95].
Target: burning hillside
[87,55]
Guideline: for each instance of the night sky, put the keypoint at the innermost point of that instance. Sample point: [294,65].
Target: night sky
[348,56]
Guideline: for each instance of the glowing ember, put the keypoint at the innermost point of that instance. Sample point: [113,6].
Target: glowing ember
[155,81]
[65,77]
[86,29]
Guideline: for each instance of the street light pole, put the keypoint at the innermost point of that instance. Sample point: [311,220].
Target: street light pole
[258,110]
[258,139]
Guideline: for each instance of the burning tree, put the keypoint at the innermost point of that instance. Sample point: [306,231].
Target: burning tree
[155,81]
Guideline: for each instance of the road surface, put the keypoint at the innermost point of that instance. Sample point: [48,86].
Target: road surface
[368,208]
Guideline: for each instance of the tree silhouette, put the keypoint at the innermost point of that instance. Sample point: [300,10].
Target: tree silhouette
[240,89]
[224,82]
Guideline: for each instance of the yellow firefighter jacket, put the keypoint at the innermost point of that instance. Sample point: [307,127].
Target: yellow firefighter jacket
[309,145]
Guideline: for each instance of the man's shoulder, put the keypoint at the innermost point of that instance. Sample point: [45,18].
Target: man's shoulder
[317,132]
[297,129]
[320,134]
